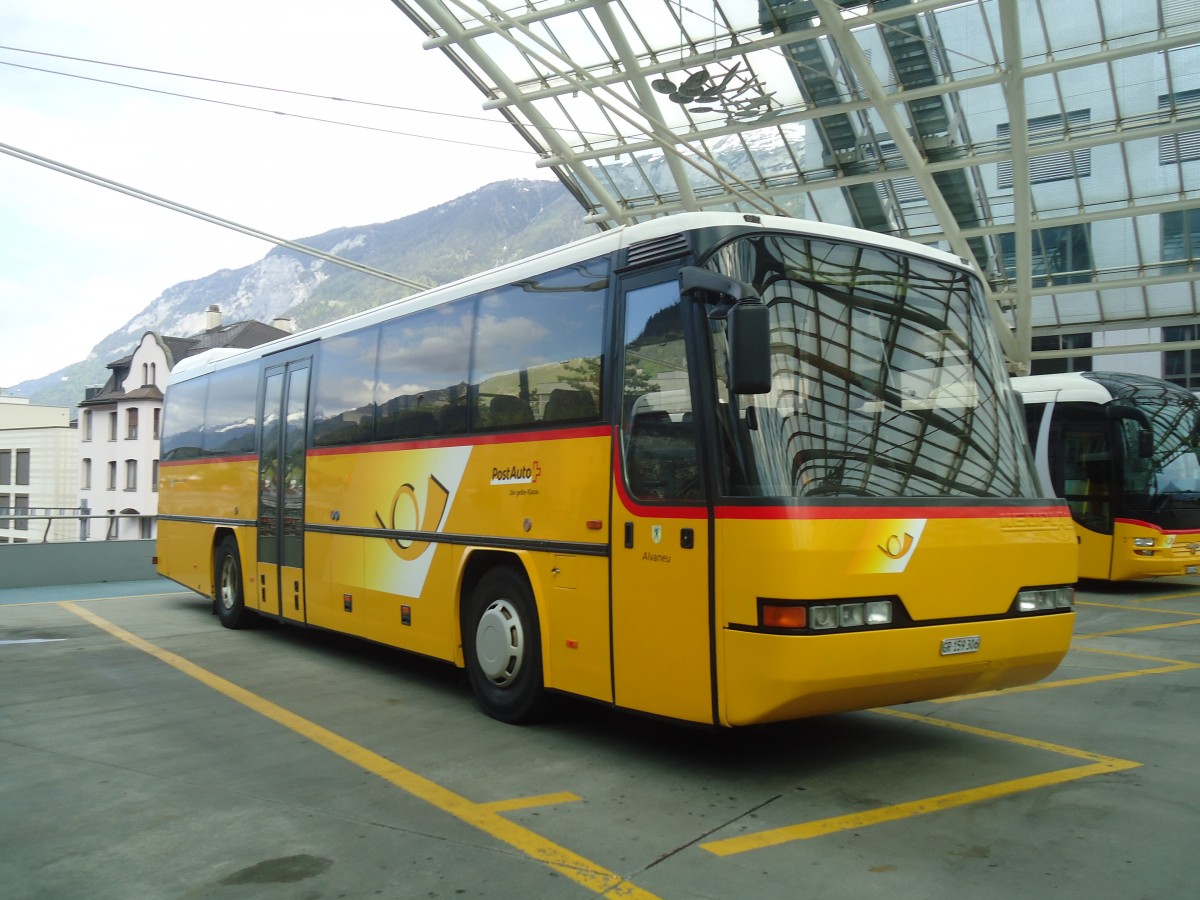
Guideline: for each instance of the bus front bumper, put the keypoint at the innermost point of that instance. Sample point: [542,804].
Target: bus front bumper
[776,677]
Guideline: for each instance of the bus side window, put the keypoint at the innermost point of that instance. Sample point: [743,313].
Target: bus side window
[661,451]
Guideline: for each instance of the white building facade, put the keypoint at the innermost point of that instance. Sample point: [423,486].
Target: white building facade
[118,445]
[39,475]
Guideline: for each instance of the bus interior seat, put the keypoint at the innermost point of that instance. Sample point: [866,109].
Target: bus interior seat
[505,409]
[569,406]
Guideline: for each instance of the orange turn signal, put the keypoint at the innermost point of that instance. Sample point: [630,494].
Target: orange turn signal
[785,616]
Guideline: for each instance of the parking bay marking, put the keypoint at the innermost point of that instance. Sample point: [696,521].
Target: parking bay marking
[1098,765]
[482,816]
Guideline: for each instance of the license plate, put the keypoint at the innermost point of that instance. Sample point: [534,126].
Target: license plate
[950,646]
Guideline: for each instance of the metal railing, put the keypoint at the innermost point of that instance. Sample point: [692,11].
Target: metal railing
[15,521]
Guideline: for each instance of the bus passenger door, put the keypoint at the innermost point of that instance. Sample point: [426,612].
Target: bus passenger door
[281,475]
[661,606]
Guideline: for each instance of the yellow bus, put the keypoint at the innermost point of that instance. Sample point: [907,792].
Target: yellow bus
[720,468]
[1124,451]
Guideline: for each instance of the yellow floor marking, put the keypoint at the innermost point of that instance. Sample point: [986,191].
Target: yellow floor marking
[1185,596]
[1141,628]
[531,802]
[803,831]
[478,815]
[1141,609]
[1168,665]
[1142,656]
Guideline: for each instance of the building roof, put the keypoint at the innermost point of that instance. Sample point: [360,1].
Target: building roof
[235,335]
[1011,132]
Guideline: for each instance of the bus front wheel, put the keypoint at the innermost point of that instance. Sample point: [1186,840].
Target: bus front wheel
[229,599]
[502,648]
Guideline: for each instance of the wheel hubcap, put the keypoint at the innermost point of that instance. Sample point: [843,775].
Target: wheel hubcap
[227,585]
[500,643]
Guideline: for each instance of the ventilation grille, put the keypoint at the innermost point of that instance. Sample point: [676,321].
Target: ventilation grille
[671,246]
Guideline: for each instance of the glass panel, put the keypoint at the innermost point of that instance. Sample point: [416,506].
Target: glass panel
[657,425]
[423,359]
[344,412]
[292,526]
[539,348]
[229,414]
[887,380]
[183,423]
[268,469]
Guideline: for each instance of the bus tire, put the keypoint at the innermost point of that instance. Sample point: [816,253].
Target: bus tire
[228,597]
[502,646]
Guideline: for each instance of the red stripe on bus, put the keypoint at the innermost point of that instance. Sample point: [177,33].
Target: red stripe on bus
[478,440]
[1157,528]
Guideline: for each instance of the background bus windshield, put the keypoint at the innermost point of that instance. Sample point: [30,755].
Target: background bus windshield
[887,380]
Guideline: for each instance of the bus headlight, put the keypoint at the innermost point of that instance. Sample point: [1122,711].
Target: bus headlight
[1143,542]
[1045,599]
[826,616]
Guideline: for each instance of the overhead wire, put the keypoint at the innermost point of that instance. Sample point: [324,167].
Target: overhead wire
[172,205]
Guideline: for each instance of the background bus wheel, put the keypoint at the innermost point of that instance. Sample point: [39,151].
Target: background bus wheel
[503,649]
[230,603]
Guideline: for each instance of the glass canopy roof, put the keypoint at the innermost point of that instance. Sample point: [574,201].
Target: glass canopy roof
[1055,144]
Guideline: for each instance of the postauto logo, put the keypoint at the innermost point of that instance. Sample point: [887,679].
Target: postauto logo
[519,473]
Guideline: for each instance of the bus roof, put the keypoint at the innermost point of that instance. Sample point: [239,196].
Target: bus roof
[602,243]
[1096,387]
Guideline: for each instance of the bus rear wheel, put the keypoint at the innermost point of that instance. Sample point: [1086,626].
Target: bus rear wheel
[229,599]
[502,647]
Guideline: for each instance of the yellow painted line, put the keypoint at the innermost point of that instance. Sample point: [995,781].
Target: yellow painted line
[1168,665]
[478,815]
[1140,609]
[1185,596]
[1099,765]
[530,802]
[1069,682]
[822,827]
[1142,656]
[1138,630]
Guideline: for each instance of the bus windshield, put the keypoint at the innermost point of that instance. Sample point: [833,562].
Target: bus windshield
[887,381]
[1174,466]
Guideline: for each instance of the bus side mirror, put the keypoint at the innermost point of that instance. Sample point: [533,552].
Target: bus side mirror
[749,335]
[1120,409]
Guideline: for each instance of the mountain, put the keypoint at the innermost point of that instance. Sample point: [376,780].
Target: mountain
[496,224]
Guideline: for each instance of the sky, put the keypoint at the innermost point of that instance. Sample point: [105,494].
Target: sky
[78,261]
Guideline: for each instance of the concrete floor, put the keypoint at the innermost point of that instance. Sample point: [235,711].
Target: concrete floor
[146,752]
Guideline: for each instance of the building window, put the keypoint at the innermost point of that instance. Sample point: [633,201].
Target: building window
[1048,166]
[112,474]
[1180,239]
[131,474]
[5,500]
[1182,366]
[87,424]
[154,475]
[131,424]
[112,425]
[1056,342]
[157,421]
[1185,145]
[1061,255]
[21,508]
[22,467]
[5,467]
[86,475]
[145,374]
[146,524]
[153,374]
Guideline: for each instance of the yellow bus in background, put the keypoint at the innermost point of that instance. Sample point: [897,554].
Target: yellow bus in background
[720,468]
[1124,451]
